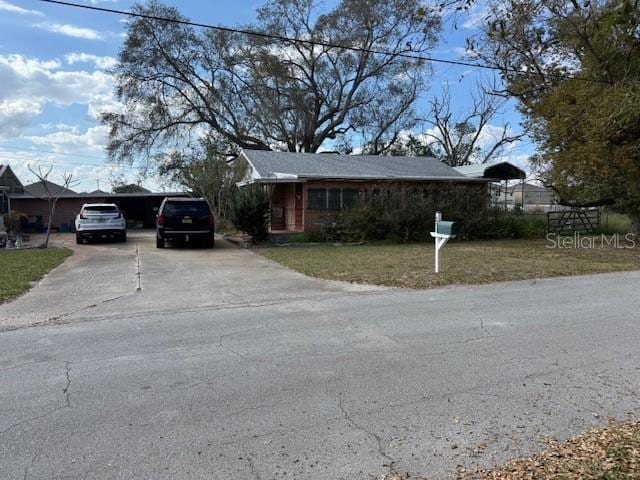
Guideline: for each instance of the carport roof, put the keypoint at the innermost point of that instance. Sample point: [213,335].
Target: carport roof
[94,195]
[495,171]
[270,166]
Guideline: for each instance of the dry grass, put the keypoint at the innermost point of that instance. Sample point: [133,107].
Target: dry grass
[611,453]
[411,266]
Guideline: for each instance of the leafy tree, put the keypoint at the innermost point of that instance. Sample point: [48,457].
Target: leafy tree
[209,175]
[413,145]
[129,188]
[179,83]
[575,69]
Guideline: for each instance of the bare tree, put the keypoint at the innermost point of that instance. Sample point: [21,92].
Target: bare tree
[178,83]
[51,193]
[462,139]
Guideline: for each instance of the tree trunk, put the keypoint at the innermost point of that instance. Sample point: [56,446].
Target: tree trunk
[52,210]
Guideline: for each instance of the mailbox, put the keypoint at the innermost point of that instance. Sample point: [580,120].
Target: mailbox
[448,228]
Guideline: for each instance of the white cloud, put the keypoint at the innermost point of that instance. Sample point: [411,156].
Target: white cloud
[71,30]
[92,141]
[65,127]
[16,114]
[100,62]
[30,84]
[10,7]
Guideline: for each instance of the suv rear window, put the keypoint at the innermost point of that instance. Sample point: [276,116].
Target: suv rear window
[199,209]
[101,208]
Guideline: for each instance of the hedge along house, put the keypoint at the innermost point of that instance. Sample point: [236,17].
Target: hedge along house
[308,188]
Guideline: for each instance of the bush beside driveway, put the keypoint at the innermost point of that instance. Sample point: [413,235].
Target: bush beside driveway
[412,265]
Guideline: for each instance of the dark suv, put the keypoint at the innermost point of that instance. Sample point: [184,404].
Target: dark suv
[184,219]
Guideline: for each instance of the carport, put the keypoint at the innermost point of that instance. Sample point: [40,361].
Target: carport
[496,172]
[140,208]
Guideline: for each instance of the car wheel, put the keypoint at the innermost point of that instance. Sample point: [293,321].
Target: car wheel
[159,242]
[123,237]
[78,239]
[209,243]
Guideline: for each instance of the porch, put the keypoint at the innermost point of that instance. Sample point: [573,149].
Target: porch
[287,209]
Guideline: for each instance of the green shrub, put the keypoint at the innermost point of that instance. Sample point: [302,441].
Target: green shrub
[407,215]
[512,225]
[13,222]
[250,211]
[612,223]
[401,215]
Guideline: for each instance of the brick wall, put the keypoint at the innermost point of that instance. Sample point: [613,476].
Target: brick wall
[313,219]
[66,209]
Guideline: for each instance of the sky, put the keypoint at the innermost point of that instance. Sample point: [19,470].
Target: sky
[54,84]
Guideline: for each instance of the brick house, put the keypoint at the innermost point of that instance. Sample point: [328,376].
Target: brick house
[308,188]
[139,208]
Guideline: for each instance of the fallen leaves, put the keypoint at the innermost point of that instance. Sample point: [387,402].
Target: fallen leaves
[611,452]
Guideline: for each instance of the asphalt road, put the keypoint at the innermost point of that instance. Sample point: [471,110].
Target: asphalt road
[225,365]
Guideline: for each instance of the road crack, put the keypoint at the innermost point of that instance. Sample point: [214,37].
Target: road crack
[372,435]
[67,402]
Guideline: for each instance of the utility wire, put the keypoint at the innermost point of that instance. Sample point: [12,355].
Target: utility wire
[284,38]
[71,164]
[66,154]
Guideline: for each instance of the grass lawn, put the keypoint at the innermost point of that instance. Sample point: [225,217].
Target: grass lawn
[412,265]
[609,453]
[18,268]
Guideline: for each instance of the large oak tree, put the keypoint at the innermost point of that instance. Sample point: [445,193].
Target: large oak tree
[179,83]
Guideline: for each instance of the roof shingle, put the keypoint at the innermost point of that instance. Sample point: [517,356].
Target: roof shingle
[280,165]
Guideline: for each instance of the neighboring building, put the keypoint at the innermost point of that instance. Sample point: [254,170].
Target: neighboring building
[308,188]
[9,184]
[535,196]
[139,208]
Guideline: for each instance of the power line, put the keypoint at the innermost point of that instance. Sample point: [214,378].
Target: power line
[284,38]
[55,162]
[66,154]
[273,36]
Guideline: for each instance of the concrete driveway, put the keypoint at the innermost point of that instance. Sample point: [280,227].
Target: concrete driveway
[316,381]
[108,280]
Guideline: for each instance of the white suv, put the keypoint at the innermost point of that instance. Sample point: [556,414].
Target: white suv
[100,220]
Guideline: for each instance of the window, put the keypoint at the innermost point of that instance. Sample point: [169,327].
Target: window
[196,208]
[334,199]
[101,208]
[317,199]
[349,197]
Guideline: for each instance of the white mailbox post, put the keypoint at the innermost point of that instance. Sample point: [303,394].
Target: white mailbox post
[444,231]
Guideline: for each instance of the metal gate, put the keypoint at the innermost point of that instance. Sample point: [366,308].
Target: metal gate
[565,222]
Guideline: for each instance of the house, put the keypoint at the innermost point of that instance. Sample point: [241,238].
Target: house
[308,188]
[535,196]
[31,200]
